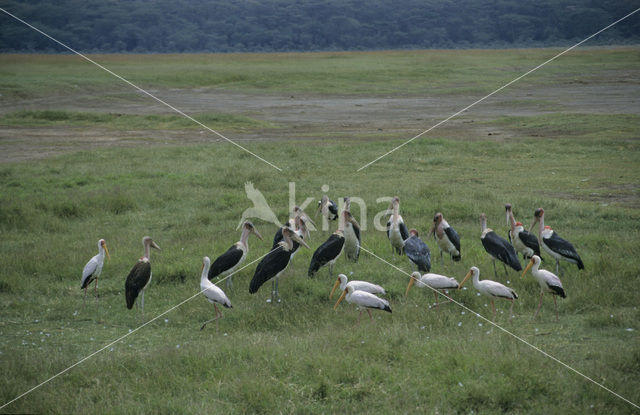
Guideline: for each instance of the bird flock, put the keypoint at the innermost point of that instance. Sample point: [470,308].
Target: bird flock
[347,237]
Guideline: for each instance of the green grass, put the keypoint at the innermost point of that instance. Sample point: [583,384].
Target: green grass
[300,356]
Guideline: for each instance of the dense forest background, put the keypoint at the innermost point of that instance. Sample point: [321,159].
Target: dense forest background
[309,25]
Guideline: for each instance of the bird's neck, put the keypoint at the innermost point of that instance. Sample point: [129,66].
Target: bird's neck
[511,220]
[244,237]
[147,251]
[205,273]
[483,223]
[341,224]
[540,227]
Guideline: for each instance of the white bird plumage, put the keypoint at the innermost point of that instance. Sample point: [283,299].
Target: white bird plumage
[213,293]
[365,286]
[363,299]
[490,289]
[548,281]
[93,268]
[435,281]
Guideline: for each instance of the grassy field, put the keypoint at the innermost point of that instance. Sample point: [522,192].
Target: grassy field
[300,356]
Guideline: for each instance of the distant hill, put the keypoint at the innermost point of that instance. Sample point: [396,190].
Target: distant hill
[309,25]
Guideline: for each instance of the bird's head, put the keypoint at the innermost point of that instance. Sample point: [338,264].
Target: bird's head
[252,229]
[413,232]
[472,271]
[103,244]
[415,276]
[538,213]
[519,224]
[147,241]
[507,207]
[341,279]
[534,260]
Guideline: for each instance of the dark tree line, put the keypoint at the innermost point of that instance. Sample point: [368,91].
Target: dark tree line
[307,25]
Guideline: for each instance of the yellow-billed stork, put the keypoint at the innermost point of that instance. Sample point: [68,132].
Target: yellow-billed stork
[93,269]
[490,289]
[557,247]
[226,263]
[522,240]
[364,300]
[140,275]
[213,293]
[397,231]
[447,237]
[548,281]
[365,286]
[435,281]
[498,248]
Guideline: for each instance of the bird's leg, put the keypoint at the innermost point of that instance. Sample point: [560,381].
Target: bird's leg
[229,283]
[506,273]
[495,272]
[493,307]
[556,304]
[370,316]
[442,258]
[330,269]
[435,293]
[511,310]
[142,303]
[539,304]
[96,288]
[85,297]
[359,315]
[218,315]
[557,267]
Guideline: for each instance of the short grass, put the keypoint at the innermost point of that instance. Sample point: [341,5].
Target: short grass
[300,356]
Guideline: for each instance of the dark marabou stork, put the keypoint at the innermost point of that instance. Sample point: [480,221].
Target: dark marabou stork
[213,293]
[557,247]
[140,275]
[330,250]
[548,281]
[328,208]
[275,262]
[226,263]
[352,239]
[498,248]
[417,251]
[93,269]
[447,237]
[298,223]
[490,289]
[522,240]
[397,231]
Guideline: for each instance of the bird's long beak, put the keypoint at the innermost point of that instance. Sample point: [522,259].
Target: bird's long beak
[202,268]
[535,220]
[465,279]
[411,282]
[106,250]
[256,233]
[432,230]
[527,268]
[336,285]
[299,240]
[155,245]
[344,293]
[354,222]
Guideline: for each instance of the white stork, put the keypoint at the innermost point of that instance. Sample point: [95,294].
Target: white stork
[498,248]
[140,275]
[435,281]
[275,262]
[228,262]
[522,240]
[548,281]
[557,247]
[330,250]
[397,231]
[213,293]
[365,286]
[491,289]
[417,251]
[328,208]
[363,299]
[352,239]
[93,269]
[447,237]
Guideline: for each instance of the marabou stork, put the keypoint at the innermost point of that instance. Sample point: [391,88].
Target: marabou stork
[397,231]
[226,263]
[522,240]
[328,208]
[275,262]
[298,223]
[363,299]
[557,247]
[93,269]
[330,250]
[417,251]
[352,239]
[140,275]
[548,281]
[447,237]
[365,286]
[491,289]
[435,281]
[213,293]
[498,248]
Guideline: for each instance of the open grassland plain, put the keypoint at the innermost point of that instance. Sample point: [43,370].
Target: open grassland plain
[84,157]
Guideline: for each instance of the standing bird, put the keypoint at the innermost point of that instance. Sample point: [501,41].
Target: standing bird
[363,299]
[330,250]
[491,289]
[435,281]
[352,239]
[557,247]
[417,251]
[397,231]
[93,269]
[522,240]
[226,263]
[328,208]
[140,275]
[298,223]
[357,286]
[549,282]
[213,293]
[447,237]
[275,262]
[498,248]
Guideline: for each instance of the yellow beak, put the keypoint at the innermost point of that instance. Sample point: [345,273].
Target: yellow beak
[334,288]
[411,281]
[465,279]
[344,293]
[527,268]
[106,250]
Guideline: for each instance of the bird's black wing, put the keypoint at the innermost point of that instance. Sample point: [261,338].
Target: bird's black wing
[389,229]
[499,248]
[509,237]
[333,208]
[418,252]
[530,241]
[356,230]
[225,261]
[326,252]
[137,279]
[269,267]
[453,237]
[277,238]
[564,248]
[404,232]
